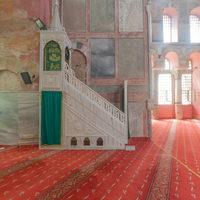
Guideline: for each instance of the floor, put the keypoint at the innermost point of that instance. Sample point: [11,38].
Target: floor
[166,167]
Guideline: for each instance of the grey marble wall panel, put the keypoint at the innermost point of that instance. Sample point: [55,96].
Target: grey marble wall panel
[136,121]
[74,15]
[131,58]
[28,115]
[19,117]
[8,118]
[102,15]
[102,58]
[131,15]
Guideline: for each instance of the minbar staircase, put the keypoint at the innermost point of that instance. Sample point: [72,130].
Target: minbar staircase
[87,115]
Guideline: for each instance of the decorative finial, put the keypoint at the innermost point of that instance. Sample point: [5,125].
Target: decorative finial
[55,22]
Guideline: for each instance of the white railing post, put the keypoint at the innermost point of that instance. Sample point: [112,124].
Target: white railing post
[126,106]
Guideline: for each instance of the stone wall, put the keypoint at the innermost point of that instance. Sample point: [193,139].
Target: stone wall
[112,34]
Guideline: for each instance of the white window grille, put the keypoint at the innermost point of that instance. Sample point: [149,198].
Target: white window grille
[186,81]
[194,29]
[167,29]
[164,89]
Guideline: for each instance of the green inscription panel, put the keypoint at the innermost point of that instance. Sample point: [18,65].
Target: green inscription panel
[52,55]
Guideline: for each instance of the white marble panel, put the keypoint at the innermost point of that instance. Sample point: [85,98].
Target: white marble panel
[8,118]
[52,81]
[136,122]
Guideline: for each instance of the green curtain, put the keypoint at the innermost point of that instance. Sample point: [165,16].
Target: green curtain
[51,116]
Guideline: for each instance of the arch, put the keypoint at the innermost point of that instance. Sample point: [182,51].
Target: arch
[99,141]
[73,141]
[194,57]
[52,56]
[170,25]
[79,65]
[173,58]
[86,142]
[195,11]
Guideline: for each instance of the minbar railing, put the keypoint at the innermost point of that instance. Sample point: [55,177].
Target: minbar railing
[93,96]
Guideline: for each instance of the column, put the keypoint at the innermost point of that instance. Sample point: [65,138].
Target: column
[178,96]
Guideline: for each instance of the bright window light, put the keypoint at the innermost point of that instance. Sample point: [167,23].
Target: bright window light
[194,29]
[186,81]
[164,89]
[167,64]
[189,64]
[167,29]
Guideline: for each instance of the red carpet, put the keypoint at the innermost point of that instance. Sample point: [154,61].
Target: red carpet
[186,164]
[165,168]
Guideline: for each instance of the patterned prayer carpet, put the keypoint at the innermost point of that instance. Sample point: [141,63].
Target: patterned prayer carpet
[166,167]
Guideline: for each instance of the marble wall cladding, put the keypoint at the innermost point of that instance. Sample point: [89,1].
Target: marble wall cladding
[8,118]
[102,15]
[74,15]
[28,111]
[131,15]
[131,63]
[136,121]
[19,116]
[102,58]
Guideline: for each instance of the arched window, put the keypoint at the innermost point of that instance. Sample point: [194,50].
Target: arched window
[167,64]
[164,89]
[99,142]
[190,64]
[170,24]
[74,141]
[194,29]
[171,60]
[52,57]
[86,141]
